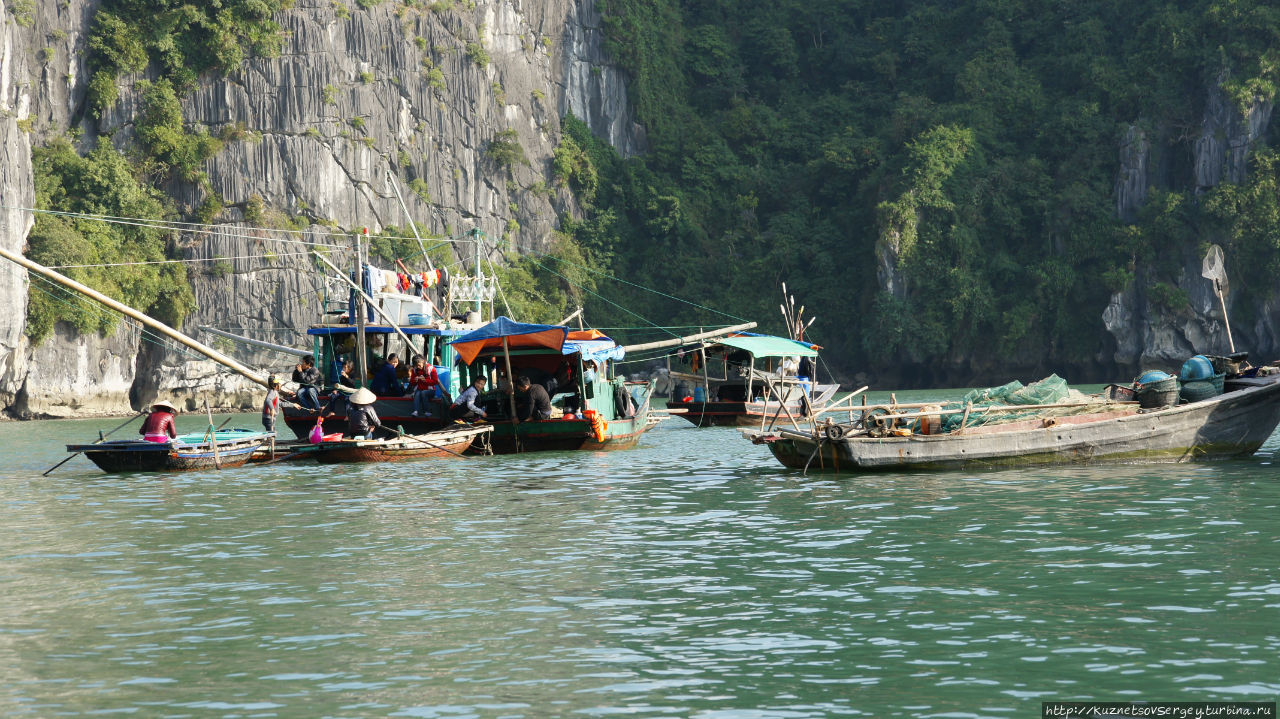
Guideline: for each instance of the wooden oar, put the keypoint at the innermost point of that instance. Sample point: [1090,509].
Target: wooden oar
[431,444]
[282,458]
[100,439]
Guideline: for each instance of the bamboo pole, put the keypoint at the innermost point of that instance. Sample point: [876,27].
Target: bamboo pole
[1003,408]
[156,325]
[511,380]
[381,313]
[1217,288]
[689,338]
[213,435]
[391,180]
[836,407]
[282,349]
[573,314]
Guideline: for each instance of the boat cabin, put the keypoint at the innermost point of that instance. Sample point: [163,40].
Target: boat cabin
[577,368]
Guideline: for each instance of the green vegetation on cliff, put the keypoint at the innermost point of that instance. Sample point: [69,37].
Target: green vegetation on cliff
[179,40]
[964,153]
[101,183]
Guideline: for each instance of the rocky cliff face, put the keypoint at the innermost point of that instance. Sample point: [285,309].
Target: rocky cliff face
[351,99]
[1147,334]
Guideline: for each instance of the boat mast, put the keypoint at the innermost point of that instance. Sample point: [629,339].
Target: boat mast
[479,238]
[359,308]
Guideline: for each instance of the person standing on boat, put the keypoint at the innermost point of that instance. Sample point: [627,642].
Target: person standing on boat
[159,425]
[386,383]
[361,417]
[308,379]
[532,400]
[271,405]
[464,408]
[423,380]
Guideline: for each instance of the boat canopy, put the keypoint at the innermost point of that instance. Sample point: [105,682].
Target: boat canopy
[767,346]
[517,334]
[598,350]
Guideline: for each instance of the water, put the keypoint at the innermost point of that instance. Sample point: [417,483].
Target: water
[691,577]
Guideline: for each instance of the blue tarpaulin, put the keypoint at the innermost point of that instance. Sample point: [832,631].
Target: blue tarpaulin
[517,334]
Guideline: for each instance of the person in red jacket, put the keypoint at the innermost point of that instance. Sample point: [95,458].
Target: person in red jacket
[424,381]
[159,425]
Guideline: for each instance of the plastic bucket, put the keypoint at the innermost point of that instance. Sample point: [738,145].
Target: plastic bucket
[419,319]
[699,394]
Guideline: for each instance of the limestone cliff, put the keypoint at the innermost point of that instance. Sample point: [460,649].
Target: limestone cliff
[350,99]
[1149,334]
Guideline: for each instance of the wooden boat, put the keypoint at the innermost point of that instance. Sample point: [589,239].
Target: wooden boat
[599,409]
[186,452]
[1233,424]
[441,444]
[741,381]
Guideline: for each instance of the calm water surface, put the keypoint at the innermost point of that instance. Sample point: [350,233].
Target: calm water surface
[692,577]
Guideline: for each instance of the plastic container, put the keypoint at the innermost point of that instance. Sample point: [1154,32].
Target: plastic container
[416,319]
[1196,369]
[699,394]
[1151,375]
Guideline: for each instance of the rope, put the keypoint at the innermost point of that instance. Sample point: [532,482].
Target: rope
[169,262]
[602,273]
[598,296]
[194,227]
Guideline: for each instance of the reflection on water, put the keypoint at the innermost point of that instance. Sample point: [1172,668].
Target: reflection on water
[689,577]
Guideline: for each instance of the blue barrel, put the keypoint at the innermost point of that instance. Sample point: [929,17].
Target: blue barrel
[1152,376]
[1195,369]
[699,394]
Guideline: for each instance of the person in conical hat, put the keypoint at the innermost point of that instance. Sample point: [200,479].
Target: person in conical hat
[159,425]
[362,420]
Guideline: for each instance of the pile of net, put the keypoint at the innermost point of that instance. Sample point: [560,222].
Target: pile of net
[1050,390]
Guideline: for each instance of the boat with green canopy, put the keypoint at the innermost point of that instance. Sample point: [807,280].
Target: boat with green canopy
[746,380]
[592,407]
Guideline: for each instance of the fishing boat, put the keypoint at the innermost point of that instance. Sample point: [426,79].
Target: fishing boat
[440,444]
[746,379]
[594,409]
[223,449]
[333,344]
[1234,423]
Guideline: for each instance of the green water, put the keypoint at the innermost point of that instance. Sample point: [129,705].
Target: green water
[691,577]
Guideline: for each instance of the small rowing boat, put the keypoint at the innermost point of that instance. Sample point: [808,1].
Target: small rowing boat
[431,445]
[223,449]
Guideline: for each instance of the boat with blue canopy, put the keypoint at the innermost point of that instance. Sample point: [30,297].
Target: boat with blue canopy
[592,407]
[745,380]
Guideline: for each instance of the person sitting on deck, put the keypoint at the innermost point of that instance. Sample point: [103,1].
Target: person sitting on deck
[385,383]
[159,425]
[464,408]
[532,400]
[362,420]
[424,381]
[337,401]
[308,379]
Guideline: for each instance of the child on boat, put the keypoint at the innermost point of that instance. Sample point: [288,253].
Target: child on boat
[423,380]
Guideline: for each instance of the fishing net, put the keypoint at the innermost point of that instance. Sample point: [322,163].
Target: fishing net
[1050,390]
